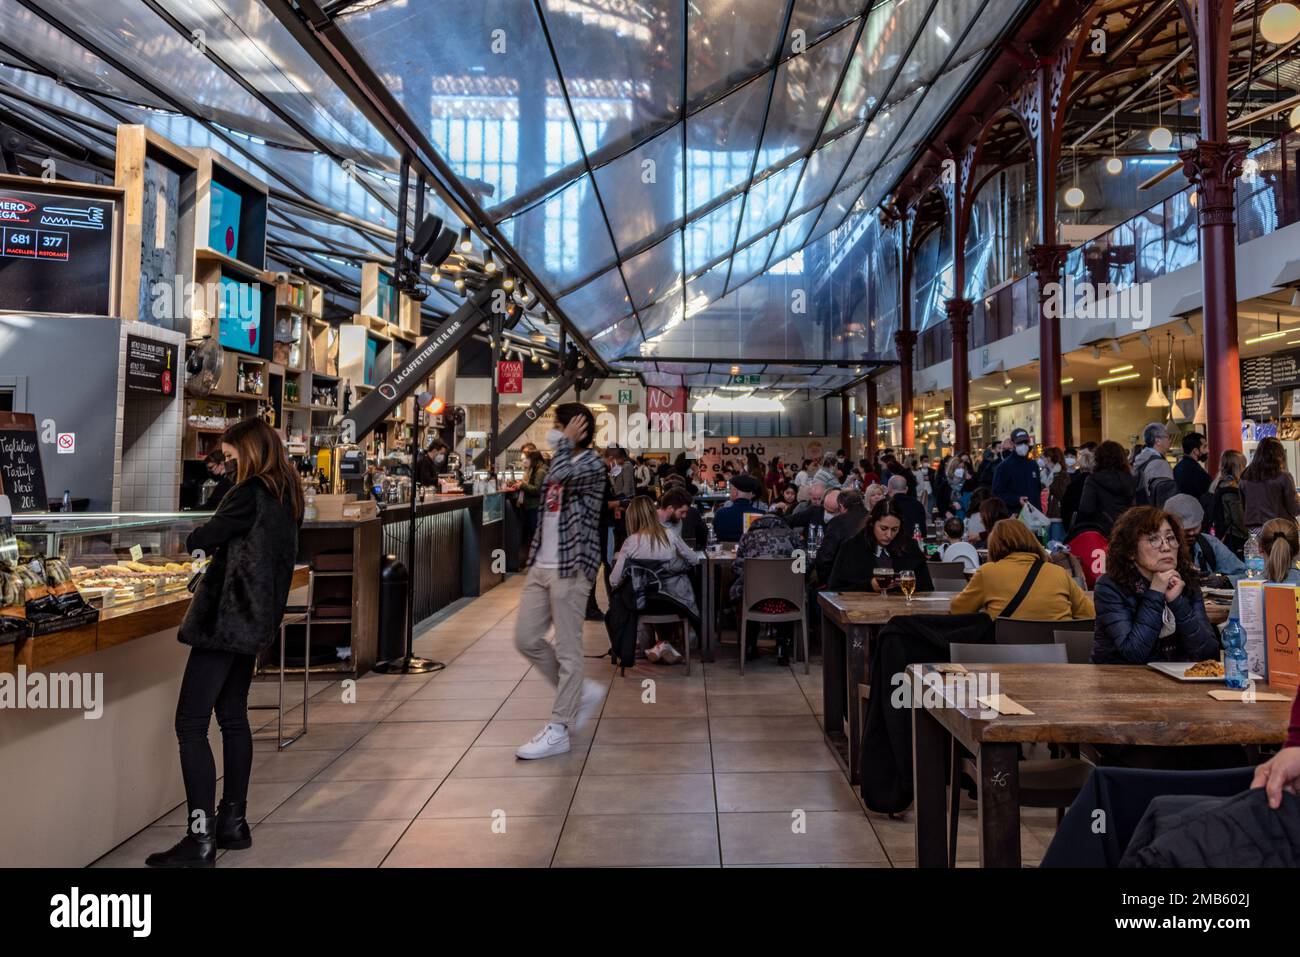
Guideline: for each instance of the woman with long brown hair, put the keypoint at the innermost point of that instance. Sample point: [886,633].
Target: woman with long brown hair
[1228,514]
[250,544]
[1109,490]
[1267,488]
[649,541]
[1149,606]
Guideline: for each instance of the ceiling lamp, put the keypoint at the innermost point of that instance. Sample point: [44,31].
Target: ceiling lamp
[1160,138]
[1280,23]
[1176,413]
[1114,166]
[466,244]
[1157,399]
[1074,197]
[489,264]
[1199,416]
[1184,391]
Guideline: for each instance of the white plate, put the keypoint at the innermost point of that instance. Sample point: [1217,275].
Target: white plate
[1219,592]
[1175,669]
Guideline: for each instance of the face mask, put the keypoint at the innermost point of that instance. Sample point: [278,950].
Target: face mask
[1042,463]
[439,459]
[1070,461]
[616,471]
[826,516]
[959,474]
[1022,450]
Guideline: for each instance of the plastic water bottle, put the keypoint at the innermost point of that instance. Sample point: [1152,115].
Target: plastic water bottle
[1236,668]
[309,504]
[1254,557]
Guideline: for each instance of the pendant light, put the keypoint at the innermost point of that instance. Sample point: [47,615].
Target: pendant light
[1184,392]
[1280,23]
[1199,416]
[1160,138]
[1114,165]
[1157,399]
[1074,195]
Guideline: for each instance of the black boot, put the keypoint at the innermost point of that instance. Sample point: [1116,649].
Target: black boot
[193,850]
[232,829]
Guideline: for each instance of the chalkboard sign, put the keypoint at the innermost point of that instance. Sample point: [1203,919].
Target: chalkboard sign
[56,252]
[150,366]
[1260,404]
[20,463]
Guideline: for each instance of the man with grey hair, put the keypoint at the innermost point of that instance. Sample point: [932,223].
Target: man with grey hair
[913,512]
[1155,476]
[810,512]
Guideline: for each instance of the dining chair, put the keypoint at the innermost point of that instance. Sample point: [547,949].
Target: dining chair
[767,578]
[1045,782]
[948,585]
[678,620]
[1077,644]
[952,570]
[1015,631]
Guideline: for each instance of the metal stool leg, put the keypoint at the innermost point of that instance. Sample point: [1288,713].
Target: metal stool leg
[686,645]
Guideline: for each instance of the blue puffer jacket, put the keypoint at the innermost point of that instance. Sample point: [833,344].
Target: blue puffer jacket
[1128,626]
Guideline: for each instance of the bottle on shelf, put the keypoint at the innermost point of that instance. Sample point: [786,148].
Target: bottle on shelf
[67,500]
[1254,557]
[309,504]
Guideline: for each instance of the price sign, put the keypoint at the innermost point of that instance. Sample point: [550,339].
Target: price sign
[21,477]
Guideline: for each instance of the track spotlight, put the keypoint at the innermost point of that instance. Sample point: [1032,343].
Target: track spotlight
[466,244]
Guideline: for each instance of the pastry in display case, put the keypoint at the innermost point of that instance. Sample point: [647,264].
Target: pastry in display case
[112,558]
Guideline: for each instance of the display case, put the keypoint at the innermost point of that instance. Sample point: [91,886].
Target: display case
[115,558]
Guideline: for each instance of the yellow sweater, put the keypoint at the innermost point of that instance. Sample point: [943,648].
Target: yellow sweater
[1055,596]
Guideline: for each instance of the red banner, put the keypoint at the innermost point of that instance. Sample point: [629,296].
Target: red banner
[510,377]
[667,407]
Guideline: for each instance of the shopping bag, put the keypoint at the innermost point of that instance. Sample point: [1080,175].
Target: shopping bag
[1034,518]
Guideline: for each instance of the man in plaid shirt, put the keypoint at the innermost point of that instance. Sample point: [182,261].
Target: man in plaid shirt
[563,559]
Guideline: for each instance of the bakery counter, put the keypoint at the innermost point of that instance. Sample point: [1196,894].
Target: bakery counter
[90,758]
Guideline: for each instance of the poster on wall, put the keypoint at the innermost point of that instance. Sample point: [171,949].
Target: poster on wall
[57,253]
[510,377]
[150,366]
[792,451]
[21,477]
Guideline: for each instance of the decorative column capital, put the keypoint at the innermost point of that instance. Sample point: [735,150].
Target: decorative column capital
[905,342]
[1214,168]
[959,312]
[1047,260]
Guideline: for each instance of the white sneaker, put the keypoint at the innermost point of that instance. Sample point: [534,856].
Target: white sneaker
[551,740]
[652,654]
[669,655]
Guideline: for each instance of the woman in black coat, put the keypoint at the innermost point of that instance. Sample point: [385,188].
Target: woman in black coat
[250,543]
[1108,492]
[1149,607]
[880,545]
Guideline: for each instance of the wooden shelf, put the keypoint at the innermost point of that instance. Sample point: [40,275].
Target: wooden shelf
[204,254]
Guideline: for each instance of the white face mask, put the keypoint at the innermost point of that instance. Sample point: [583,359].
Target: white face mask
[827,516]
[1070,461]
[1022,450]
[959,473]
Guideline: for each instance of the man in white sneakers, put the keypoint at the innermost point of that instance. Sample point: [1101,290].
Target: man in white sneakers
[563,560]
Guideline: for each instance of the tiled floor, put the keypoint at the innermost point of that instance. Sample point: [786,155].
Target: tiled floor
[711,770]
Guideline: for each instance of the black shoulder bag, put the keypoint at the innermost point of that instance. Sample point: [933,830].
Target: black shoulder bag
[1025,585]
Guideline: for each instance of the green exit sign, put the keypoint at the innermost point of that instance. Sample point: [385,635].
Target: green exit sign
[745,379]
[624,396]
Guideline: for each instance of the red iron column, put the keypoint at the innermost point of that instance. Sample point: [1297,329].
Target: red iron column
[959,313]
[905,342]
[1047,261]
[873,422]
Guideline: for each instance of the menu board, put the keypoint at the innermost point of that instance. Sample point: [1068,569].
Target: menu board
[21,476]
[1260,404]
[1270,372]
[56,253]
[150,366]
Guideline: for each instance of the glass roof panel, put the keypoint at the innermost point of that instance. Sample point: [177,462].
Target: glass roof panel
[816,18]
[720,142]
[938,41]
[617,339]
[597,304]
[249,37]
[938,98]
[749,262]
[642,190]
[711,236]
[626,54]
[891,25]
[481,83]
[564,239]
[824,168]
[794,234]
[768,201]
[729,41]
[133,34]
[651,274]
[804,87]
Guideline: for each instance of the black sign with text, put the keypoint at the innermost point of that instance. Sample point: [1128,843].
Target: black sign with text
[56,252]
[21,477]
[150,366]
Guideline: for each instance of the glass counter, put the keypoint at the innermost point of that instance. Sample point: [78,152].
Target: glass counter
[494,507]
[125,555]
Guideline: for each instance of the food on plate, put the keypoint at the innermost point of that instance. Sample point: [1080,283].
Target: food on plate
[1210,668]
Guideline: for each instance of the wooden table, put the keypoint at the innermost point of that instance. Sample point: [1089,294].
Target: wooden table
[849,622]
[1072,704]
[712,561]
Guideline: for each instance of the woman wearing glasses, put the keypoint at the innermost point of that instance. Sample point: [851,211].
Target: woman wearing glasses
[1149,607]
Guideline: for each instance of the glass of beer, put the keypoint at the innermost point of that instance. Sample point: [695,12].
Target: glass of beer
[907,583]
[884,578]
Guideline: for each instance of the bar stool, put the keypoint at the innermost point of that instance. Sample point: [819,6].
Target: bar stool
[293,615]
[672,620]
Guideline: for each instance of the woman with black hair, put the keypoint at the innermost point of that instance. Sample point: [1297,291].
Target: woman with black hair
[1109,490]
[880,545]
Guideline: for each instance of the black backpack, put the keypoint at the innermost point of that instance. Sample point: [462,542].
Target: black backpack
[1158,493]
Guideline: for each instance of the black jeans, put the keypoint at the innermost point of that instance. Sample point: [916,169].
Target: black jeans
[214,681]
